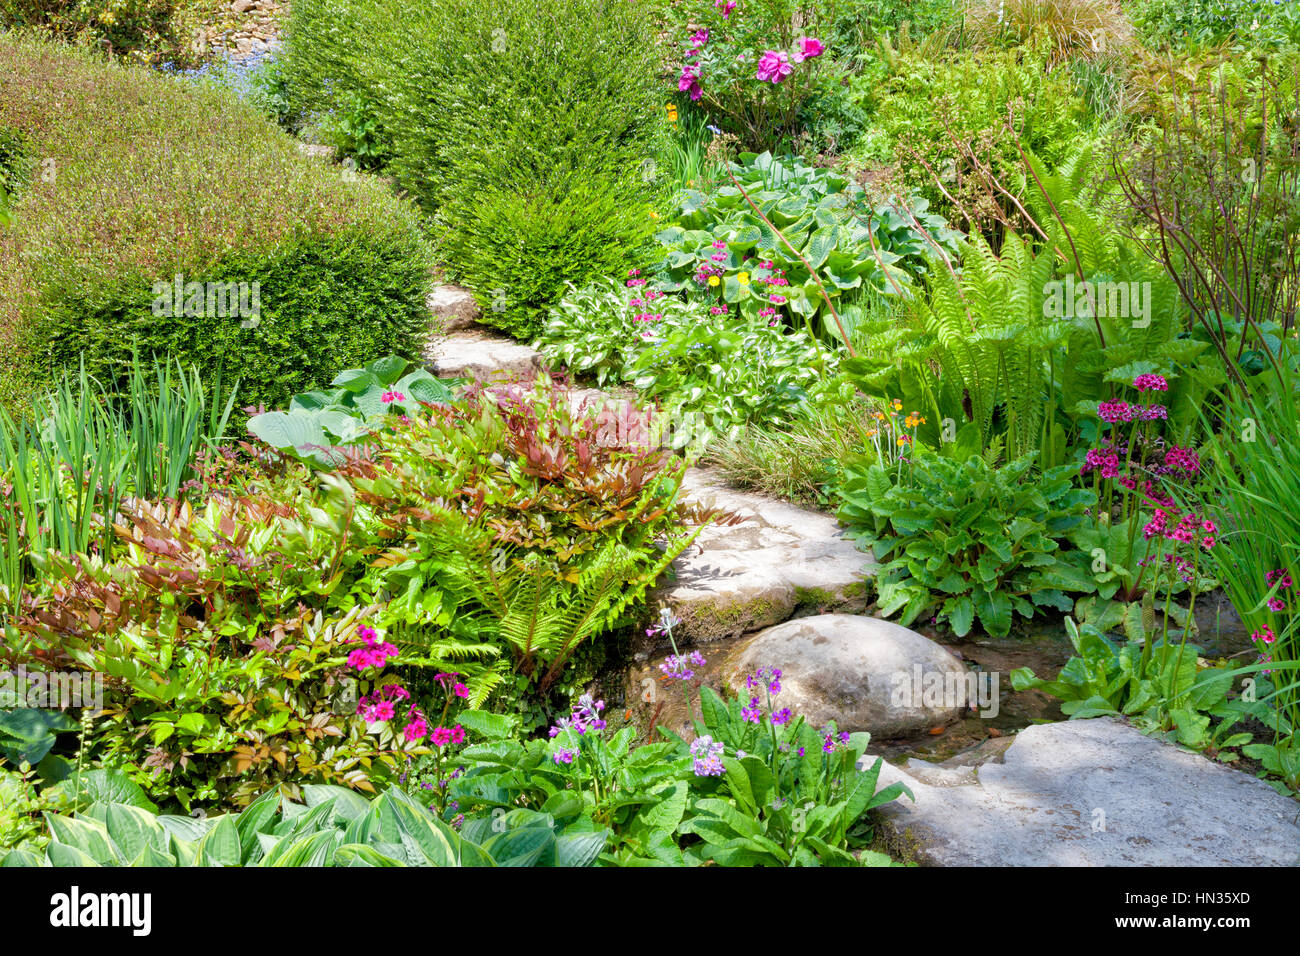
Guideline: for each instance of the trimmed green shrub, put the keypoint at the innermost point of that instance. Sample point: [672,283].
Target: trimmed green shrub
[531,134]
[138,178]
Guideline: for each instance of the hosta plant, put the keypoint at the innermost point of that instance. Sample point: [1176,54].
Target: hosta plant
[358,401]
[722,249]
[600,329]
[332,826]
[712,378]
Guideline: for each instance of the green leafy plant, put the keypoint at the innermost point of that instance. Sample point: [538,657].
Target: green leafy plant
[944,116]
[741,794]
[786,793]
[723,249]
[358,401]
[966,539]
[530,136]
[753,67]
[1161,685]
[67,470]
[331,827]
[601,328]
[1193,23]
[714,377]
[541,545]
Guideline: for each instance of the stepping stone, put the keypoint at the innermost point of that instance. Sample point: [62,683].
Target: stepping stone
[479,355]
[860,672]
[1088,793]
[776,561]
[455,306]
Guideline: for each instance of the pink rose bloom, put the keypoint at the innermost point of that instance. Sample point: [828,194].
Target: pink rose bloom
[774,66]
[809,47]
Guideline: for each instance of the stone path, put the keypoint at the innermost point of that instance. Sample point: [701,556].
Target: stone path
[777,562]
[1088,793]
[469,350]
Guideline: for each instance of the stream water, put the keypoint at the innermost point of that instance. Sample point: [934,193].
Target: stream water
[646,700]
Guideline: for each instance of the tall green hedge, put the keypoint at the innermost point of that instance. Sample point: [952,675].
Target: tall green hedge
[136,177]
[528,129]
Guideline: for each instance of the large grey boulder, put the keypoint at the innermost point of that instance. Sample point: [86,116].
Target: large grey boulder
[861,672]
[1089,793]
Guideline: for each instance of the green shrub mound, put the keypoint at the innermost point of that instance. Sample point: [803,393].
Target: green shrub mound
[529,133]
[135,179]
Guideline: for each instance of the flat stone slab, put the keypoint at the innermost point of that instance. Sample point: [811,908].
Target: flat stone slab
[1088,793]
[777,561]
[857,671]
[456,307]
[479,355]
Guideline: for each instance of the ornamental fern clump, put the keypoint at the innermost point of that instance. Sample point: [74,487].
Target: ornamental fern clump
[965,539]
[529,133]
[136,178]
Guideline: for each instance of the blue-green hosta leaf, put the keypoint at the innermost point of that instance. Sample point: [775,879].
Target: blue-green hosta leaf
[221,845]
[106,786]
[358,854]
[348,804]
[313,849]
[19,857]
[28,734]
[521,845]
[133,829]
[86,836]
[420,386]
[387,370]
